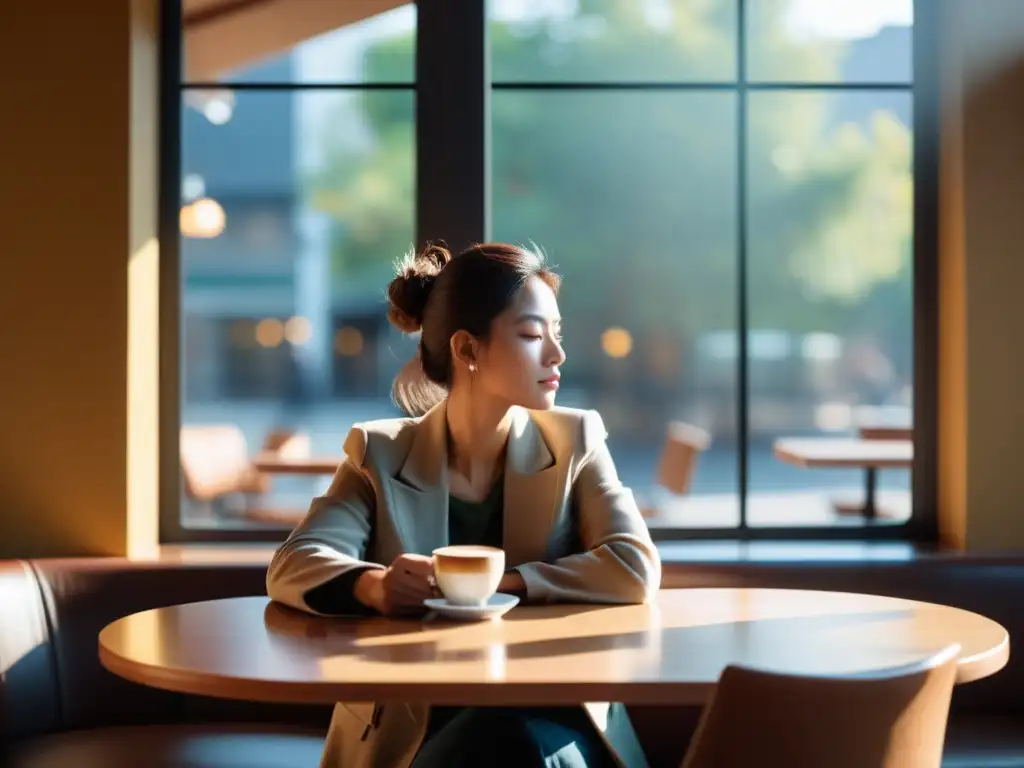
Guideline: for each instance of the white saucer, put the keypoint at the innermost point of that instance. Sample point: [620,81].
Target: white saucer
[498,605]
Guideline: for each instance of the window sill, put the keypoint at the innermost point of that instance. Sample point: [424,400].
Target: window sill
[722,551]
[673,553]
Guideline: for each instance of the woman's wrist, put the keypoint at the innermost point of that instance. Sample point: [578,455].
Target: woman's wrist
[369,588]
[512,583]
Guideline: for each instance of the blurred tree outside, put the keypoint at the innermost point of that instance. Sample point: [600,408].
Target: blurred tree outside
[632,194]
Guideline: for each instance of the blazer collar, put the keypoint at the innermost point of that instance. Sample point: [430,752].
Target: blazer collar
[527,452]
[426,465]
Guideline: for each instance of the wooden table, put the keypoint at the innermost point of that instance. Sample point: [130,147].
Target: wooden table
[273,464]
[672,651]
[869,455]
[886,432]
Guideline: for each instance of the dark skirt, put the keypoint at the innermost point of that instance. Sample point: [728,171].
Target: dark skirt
[512,737]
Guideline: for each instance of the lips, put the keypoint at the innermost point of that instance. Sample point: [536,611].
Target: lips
[551,382]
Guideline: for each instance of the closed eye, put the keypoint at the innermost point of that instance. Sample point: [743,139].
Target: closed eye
[539,337]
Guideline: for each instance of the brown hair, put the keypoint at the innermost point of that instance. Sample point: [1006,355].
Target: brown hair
[438,295]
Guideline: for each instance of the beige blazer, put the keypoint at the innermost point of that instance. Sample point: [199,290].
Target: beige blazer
[390,496]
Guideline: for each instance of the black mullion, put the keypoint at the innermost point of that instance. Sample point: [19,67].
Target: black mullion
[927,117]
[696,86]
[452,122]
[289,86]
[554,86]
[820,86]
[171,527]
[742,315]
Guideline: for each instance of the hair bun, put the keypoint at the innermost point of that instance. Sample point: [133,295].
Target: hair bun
[414,279]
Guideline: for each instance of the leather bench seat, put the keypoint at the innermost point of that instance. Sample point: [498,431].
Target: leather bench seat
[175,746]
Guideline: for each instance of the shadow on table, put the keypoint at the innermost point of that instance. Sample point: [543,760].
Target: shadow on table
[786,642]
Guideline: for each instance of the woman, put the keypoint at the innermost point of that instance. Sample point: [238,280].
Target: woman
[485,458]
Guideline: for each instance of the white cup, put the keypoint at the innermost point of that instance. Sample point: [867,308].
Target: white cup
[468,575]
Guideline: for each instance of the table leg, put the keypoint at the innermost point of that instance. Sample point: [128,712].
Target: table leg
[870,493]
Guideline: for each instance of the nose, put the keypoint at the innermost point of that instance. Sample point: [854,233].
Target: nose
[555,355]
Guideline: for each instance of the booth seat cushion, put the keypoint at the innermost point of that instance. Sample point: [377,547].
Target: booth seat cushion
[175,746]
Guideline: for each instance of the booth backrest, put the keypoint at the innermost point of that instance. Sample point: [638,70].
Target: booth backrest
[51,612]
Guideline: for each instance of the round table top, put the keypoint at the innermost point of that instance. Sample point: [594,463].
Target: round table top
[670,651]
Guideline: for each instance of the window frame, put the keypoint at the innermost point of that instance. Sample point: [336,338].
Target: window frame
[452,90]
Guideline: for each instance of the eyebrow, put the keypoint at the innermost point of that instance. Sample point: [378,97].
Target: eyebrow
[532,318]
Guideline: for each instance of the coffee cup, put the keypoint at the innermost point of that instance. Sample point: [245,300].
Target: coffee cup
[468,575]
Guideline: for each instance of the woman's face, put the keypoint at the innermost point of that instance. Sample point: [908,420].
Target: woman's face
[519,362]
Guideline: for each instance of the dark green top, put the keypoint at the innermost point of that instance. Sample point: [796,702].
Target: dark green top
[471,522]
[478,522]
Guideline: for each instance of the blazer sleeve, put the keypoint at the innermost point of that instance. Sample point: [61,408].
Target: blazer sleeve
[620,563]
[331,541]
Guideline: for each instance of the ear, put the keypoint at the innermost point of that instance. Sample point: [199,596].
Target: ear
[464,348]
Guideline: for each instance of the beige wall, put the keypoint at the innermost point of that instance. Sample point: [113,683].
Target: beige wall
[71,216]
[982,275]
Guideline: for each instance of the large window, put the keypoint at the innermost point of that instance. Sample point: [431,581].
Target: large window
[725,185]
[284,214]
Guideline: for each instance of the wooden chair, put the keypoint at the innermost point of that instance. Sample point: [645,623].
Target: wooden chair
[683,445]
[678,460]
[894,718]
[220,480]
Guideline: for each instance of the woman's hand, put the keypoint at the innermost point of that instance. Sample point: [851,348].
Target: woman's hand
[399,589]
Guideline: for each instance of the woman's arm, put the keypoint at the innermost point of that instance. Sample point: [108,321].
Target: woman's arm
[320,567]
[620,563]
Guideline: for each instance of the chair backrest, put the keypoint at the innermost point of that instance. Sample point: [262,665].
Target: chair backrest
[287,443]
[894,718]
[678,460]
[215,461]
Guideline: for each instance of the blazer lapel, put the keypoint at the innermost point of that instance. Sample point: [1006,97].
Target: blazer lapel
[419,492]
[531,492]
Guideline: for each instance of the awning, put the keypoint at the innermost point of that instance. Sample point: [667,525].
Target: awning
[223,35]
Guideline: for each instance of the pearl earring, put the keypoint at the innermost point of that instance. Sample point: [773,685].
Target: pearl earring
[472,367]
